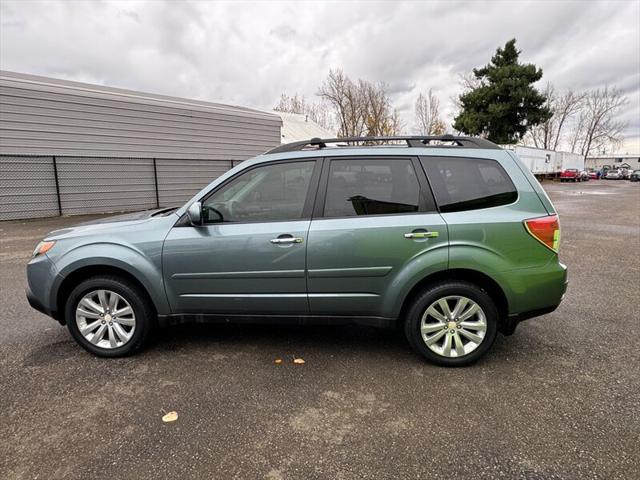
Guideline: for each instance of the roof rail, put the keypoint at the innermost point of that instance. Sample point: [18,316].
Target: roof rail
[411,141]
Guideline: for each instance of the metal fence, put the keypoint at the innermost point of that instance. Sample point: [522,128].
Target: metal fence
[47,186]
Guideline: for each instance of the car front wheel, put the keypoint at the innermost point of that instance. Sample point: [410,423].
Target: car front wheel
[109,316]
[452,323]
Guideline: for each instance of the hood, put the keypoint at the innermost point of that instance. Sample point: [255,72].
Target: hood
[127,217]
[115,222]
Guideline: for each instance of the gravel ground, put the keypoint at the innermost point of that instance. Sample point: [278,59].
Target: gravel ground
[559,399]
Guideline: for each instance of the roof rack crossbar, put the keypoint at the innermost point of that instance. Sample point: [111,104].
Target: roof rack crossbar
[411,141]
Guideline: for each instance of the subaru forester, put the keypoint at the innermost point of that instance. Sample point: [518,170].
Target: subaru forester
[451,238]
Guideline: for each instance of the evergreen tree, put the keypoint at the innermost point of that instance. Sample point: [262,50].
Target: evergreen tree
[505,104]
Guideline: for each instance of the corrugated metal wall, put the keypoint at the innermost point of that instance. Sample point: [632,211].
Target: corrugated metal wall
[27,188]
[105,141]
[40,115]
[98,184]
[179,180]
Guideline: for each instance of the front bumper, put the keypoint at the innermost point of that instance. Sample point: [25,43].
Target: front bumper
[35,303]
[41,275]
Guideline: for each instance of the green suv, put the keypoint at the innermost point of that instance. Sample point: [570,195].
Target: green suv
[450,237]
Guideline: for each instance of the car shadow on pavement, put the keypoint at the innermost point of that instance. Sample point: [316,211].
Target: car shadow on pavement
[327,338]
[338,341]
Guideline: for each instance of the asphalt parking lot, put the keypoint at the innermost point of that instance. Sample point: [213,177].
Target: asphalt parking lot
[559,399]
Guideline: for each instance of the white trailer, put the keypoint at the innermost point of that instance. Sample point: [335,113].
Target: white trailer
[566,160]
[546,163]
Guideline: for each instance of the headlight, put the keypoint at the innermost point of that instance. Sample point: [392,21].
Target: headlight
[43,247]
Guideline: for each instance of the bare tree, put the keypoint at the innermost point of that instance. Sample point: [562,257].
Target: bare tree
[567,105]
[549,134]
[597,127]
[362,108]
[291,104]
[393,125]
[318,112]
[346,99]
[380,117]
[427,113]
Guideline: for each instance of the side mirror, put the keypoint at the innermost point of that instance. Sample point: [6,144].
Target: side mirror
[194,212]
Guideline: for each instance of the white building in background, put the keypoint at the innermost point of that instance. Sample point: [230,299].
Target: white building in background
[297,127]
[615,161]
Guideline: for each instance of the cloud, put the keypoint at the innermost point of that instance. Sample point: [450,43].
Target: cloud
[249,53]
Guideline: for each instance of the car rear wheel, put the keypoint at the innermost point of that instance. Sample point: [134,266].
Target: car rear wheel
[109,316]
[452,323]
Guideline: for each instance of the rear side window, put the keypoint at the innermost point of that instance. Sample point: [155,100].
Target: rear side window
[371,187]
[468,183]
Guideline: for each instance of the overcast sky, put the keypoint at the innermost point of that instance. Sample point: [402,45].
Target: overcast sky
[249,53]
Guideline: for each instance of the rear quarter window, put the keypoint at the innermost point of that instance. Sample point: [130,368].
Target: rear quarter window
[468,183]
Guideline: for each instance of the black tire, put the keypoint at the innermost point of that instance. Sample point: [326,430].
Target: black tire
[140,304]
[434,292]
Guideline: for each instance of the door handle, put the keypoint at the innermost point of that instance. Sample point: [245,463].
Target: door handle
[422,235]
[285,240]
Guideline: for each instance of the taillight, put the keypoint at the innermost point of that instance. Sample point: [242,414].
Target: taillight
[546,230]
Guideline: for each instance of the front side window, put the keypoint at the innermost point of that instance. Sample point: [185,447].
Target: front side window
[371,187]
[263,194]
[468,183]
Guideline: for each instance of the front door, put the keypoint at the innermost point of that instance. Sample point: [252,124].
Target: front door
[249,256]
[374,225]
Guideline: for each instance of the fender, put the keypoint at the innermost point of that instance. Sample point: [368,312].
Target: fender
[521,278]
[146,268]
[417,270]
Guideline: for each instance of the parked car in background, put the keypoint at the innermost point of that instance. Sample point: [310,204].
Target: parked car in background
[594,174]
[613,174]
[625,173]
[584,176]
[635,176]
[454,244]
[570,175]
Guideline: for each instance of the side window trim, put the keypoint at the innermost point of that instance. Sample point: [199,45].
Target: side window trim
[307,209]
[427,203]
[427,199]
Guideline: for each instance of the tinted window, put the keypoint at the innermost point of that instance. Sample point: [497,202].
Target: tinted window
[371,187]
[269,193]
[468,183]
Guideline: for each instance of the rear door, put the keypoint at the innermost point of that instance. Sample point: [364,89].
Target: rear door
[374,222]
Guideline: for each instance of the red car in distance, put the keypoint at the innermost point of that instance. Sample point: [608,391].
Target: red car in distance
[570,175]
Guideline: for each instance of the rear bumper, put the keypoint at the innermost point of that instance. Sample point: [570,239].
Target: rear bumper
[508,325]
[533,293]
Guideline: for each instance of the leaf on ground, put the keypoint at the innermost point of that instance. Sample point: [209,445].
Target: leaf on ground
[170,417]
[277,361]
[298,361]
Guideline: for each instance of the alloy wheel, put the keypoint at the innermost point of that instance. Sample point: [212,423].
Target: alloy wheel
[453,326]
[105,319]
